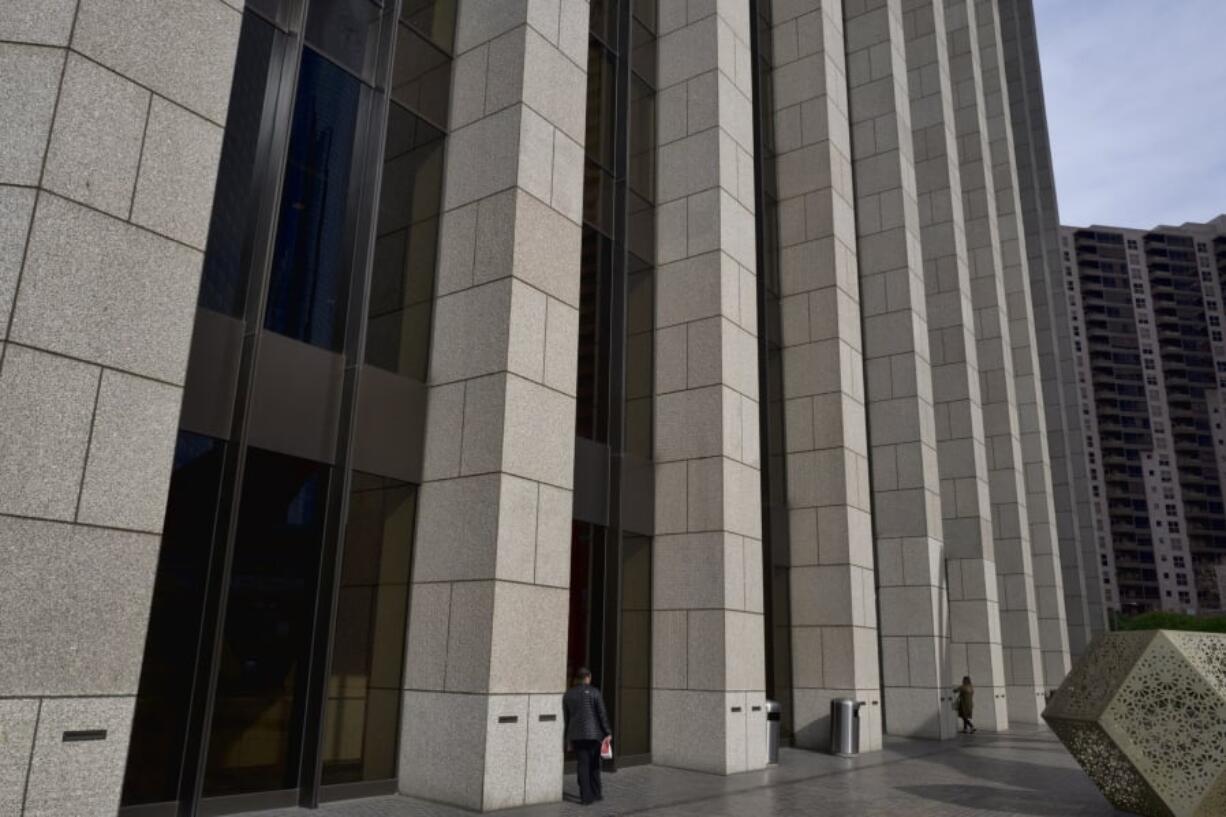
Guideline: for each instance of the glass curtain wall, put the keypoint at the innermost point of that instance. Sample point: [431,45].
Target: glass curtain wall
[775,544]
[610,610]
[276,638]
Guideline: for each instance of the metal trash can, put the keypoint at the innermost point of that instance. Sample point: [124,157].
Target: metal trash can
[845,727]
[774,715]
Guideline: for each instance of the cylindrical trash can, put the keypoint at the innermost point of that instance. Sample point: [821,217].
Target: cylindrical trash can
[774,716]
[845,727]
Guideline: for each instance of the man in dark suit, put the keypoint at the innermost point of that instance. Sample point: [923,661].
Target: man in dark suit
[587,727]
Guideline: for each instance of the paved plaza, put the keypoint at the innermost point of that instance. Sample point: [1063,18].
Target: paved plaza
[1024,773]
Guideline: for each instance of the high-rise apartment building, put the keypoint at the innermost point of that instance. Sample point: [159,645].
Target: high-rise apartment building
[1145,311]
[367,366]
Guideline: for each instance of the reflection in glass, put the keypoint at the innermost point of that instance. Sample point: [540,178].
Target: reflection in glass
[362,716]
[310,273]
[223,281]
[634,652]
[421,76]
[643,27]
[603,20]
[169,665]
[256,737]
[640,356]
[347,31]
[601,95]
[402,279]
[433,19]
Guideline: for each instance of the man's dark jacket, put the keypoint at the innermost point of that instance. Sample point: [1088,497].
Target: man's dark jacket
[586,718]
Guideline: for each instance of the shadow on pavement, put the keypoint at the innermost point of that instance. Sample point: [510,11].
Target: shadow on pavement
[1007,801]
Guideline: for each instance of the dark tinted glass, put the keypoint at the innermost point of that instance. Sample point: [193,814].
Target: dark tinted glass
[421,76]
[309,283]
[269,8]
[591,405]
[643,40]
[347,31]
[169,664]
[362,714]
[256,735]
[587,598]
[640,356]
[599,197]
[603,20]
[433,19]
[601,90]
[223,282]
[775,553]
[402,277]
[634,654]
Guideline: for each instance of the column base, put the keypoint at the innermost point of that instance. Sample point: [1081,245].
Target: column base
[919,712]
[708,731]
[465,749]
[1026,703]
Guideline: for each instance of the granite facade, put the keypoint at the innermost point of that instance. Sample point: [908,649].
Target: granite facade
[938,522]
[96,305]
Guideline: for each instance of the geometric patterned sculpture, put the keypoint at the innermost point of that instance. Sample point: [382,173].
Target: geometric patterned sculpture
[1144,713]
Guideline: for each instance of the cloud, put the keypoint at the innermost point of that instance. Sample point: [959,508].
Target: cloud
[1136,109]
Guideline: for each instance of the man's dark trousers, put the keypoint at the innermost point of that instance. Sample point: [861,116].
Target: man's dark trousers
[587,762]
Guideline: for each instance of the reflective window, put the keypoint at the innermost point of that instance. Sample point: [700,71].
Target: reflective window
[433,19]
[255,743]
[640,356]
[402,279]
[308,288]
[296,204]
[604,20]
[169,664]
[610,566]
[583,634]
[223,281]
[592,381]
[634,654]
[601,123]
[421,74]
[361,720]
[347,31]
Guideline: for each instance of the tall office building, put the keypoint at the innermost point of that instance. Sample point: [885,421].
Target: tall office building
[367,366]
[1146,318]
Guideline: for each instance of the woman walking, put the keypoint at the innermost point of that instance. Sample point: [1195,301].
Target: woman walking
[966,704]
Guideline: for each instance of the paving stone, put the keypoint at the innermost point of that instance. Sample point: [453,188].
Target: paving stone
[1021,773]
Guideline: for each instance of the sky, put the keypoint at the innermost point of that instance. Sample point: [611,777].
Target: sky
[1136,109]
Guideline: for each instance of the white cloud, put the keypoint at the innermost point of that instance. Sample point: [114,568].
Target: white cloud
[1136,108]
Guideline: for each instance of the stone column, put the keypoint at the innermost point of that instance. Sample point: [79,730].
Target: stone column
[112,124]
[1032,427]
[833,597]
[113,119]
[1010,522]
[486,657]
[970,559]
[1051,330]
[708,665]
[901,421]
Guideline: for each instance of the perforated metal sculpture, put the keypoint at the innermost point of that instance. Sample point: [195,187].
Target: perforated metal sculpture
[1144,713]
